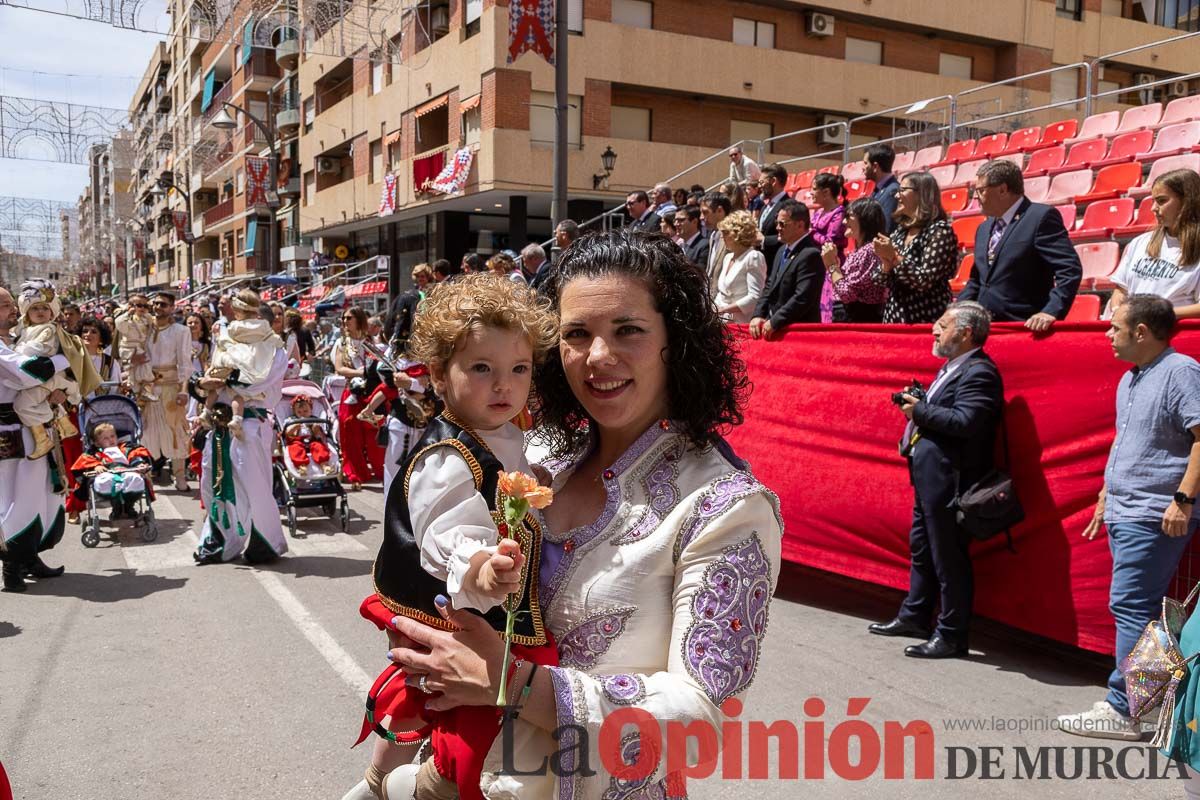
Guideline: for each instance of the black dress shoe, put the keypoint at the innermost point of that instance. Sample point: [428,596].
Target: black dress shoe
[936,647]
[898,627]
[13,581]
[38,569]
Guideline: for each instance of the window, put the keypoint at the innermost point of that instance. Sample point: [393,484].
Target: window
[953,66]
[1107,86]
[753,33]
[574,16]
[376,161]
[310,187]
[1112,8]
[472,126]
[541,118]
[742,130]
[1071,9]
[239,182]
[471,23]
[377,69]
[1182,15]
[634,13]
[864,51]
[629,122]
[1064,85]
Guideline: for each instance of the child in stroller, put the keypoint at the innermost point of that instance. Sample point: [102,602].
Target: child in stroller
[305,441]
[113,470]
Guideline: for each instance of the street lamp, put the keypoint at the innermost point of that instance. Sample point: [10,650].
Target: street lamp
[167,183]
[608,160]
[225,122]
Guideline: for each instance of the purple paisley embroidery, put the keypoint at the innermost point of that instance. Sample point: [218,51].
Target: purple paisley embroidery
[564,702]
[720,495]
[662,494]
[623,690]
[582,646]
[644,789]
[729,617]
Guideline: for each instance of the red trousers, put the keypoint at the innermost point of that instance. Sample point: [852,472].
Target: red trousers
[362,458]
[461,737]
[299,451]
[73,449]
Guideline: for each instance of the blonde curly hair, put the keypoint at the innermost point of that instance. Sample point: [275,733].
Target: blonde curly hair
[743,227]
[480,299]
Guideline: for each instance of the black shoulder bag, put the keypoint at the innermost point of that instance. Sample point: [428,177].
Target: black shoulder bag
[991,506]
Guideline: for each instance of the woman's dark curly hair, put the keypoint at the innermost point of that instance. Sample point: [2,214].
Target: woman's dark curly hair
[706,380]
[98,325]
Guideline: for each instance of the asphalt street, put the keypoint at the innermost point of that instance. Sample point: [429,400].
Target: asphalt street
[139,675]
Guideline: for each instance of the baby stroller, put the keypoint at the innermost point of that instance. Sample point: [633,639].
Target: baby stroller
[122,413]
[308,485]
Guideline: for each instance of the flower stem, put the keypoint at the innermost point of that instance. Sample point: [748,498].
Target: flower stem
[514,513]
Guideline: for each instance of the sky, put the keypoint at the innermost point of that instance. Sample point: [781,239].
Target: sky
[92,63]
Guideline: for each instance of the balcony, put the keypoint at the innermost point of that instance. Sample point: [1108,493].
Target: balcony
[287,53]
[196,88]
[162,97]
[218,213]
[220,97]
[289,187]
[287,121]
[260,72]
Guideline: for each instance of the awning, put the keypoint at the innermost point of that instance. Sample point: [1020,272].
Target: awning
[251,235]
[209,82]
[247,40]
[391,138]
[470,103]
[432,105]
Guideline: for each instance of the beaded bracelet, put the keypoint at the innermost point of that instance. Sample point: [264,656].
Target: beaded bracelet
[512,672]
[525,690]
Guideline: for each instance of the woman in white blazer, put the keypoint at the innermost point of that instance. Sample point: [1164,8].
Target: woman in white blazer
[743,271]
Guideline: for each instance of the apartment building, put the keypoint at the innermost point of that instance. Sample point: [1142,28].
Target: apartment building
[108,235]
[665,84]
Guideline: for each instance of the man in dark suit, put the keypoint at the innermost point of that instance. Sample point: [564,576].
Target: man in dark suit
[695,243]
[773,182]
[948,442]
[642,217]
[793,292]
[878,161]
[1026,269]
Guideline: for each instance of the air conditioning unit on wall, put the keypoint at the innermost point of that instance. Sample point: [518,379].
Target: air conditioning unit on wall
[327,166]
[835,135]
[1178,89]
[819,24]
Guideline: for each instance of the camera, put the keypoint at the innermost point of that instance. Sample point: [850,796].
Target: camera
[915,389]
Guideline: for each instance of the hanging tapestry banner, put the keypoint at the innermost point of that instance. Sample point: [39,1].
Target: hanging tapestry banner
[257,170]
[530,23]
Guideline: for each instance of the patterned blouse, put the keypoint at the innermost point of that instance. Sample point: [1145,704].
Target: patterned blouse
[920,283]
[858,284]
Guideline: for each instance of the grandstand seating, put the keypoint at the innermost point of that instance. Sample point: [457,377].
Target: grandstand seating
[1112,182]
[854,171]
[1069,214]
[1143,222]
[1140,117]
[1083,155]
[1099,260]
[965,228]
[954,200]
[1046,160]
[1023,140]
[1097,125]
[1173,140]
[1182,109]
[1058,132]
[958,152]
[1086,308]
[1164,165]
[959,281]
[1102,218]
[990,146]
[1066,186]
[1125,147]
[859,188]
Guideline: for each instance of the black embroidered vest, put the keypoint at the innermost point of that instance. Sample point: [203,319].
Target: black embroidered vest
[402,583]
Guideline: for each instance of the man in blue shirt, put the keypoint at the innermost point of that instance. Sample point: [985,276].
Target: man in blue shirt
[877,166]
[1148,501]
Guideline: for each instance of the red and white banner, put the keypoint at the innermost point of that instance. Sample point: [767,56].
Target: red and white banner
[387,199]
[257,180]
[530,27]
[453,176]
[181,225]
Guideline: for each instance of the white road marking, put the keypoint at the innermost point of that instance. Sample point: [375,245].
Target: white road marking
[342,662]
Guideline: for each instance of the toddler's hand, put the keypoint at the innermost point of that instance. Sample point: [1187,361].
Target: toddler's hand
[501,573]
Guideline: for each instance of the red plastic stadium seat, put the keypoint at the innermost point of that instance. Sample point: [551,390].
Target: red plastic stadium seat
[1099,260]
[959,281]
[903,162]
[1082,155]
[973,209]
[958,152]
[927,157]
[1183,109]
[854,171]
[1112,182]
[955,199]
[965,228]
[1066,186]
[804,179]
[991,145]
[1068,214]
[1097,125]
[1044,160]
[793,184]
[1146,116]
[1037,189]
[1102,218]
[968,171]
[1058,132]
[859,189]
[1164,165]
[832,169]
[1173,140]
[944,175]
[1086,308]
[1143,222]
[1023,140]
[1013,158]
[1125,148]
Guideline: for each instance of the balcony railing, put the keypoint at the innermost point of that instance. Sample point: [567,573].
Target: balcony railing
[261,66]
[218,101]
[221,211]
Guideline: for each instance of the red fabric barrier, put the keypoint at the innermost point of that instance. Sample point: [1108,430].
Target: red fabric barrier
[822,432]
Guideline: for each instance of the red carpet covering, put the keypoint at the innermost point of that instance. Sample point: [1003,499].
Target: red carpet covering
[821,431]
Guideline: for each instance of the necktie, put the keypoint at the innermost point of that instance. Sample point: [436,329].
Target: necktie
[994,239]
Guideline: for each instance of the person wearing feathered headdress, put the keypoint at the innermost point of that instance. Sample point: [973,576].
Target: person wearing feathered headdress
[40,335]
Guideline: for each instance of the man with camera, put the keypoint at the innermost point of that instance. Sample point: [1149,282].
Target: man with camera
[948,442]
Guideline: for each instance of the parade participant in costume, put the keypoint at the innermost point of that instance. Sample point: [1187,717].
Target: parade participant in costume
[32,518]
[169,353]
[481,337]
[305,442]
[362,458]
[245,350]
[660,551]
[403,417]
[198,326]
[116,469]
[242,518]
[134,327]
[42,336]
